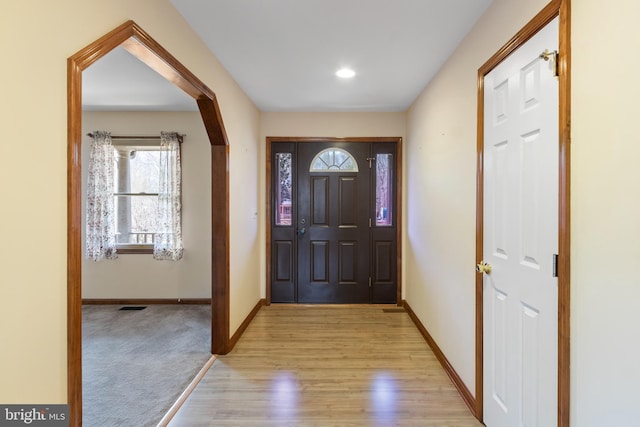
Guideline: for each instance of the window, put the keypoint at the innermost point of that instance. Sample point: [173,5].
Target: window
[384,189]
[134,197]
[284,185]
[333,160]
[136,188]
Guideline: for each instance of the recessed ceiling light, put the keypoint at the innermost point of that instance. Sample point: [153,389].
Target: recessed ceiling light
[345,73]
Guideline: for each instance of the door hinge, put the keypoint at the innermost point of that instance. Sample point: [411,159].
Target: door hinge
[555,265]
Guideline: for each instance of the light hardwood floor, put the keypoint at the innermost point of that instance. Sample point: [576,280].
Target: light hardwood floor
[350,365]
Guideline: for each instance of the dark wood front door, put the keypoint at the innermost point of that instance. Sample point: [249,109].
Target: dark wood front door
[333,232]
[333,224]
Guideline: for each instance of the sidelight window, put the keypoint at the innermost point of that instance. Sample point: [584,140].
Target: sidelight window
[284,184]
[384,189]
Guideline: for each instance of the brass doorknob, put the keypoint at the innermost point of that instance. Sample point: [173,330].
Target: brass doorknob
[483,267]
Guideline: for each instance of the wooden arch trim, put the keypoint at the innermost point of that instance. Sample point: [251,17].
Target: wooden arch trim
[561,9]
[141,45]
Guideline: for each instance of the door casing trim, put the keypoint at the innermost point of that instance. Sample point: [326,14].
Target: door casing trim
[269,213]
[561,9]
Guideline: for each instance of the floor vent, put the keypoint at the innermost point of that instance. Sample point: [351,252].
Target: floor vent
[133,308]
[393,310]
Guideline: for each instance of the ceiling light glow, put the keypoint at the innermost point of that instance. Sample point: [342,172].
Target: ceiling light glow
[345,73]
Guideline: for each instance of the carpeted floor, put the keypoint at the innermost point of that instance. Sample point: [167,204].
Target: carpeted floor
[137,363]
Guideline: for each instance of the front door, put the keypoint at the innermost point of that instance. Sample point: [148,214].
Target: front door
[333,223]
[333,231]
[520,294]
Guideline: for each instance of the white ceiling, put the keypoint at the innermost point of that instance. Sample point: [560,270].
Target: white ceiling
[284,53]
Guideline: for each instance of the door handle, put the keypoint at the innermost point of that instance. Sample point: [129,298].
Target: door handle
[483,267]
[302,231]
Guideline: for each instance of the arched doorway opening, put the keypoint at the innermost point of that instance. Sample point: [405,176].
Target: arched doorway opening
[138,43]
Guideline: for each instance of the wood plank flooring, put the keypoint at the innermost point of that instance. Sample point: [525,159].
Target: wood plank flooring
[349,365]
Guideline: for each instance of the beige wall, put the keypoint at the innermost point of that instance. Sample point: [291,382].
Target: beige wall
[38,37]
[140,276]
[332,124]
[605,197]
[441,186]
[246,275]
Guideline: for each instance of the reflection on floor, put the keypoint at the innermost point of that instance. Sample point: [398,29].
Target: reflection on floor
[327,365]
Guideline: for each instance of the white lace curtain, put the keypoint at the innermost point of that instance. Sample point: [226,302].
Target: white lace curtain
[167,241]
[100,226]
[100,220]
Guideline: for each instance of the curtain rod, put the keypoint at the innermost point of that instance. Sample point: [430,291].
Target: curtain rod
[134,137]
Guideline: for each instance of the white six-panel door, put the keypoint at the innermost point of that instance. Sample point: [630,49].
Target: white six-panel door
[520,302]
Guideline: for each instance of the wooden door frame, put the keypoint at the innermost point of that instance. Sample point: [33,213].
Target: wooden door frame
[269,213]
[142,46]
[561,9]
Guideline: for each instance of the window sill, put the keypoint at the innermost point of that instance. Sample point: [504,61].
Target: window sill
[135,250]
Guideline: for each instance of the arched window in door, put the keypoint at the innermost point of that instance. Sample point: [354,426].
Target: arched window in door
[333,160]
